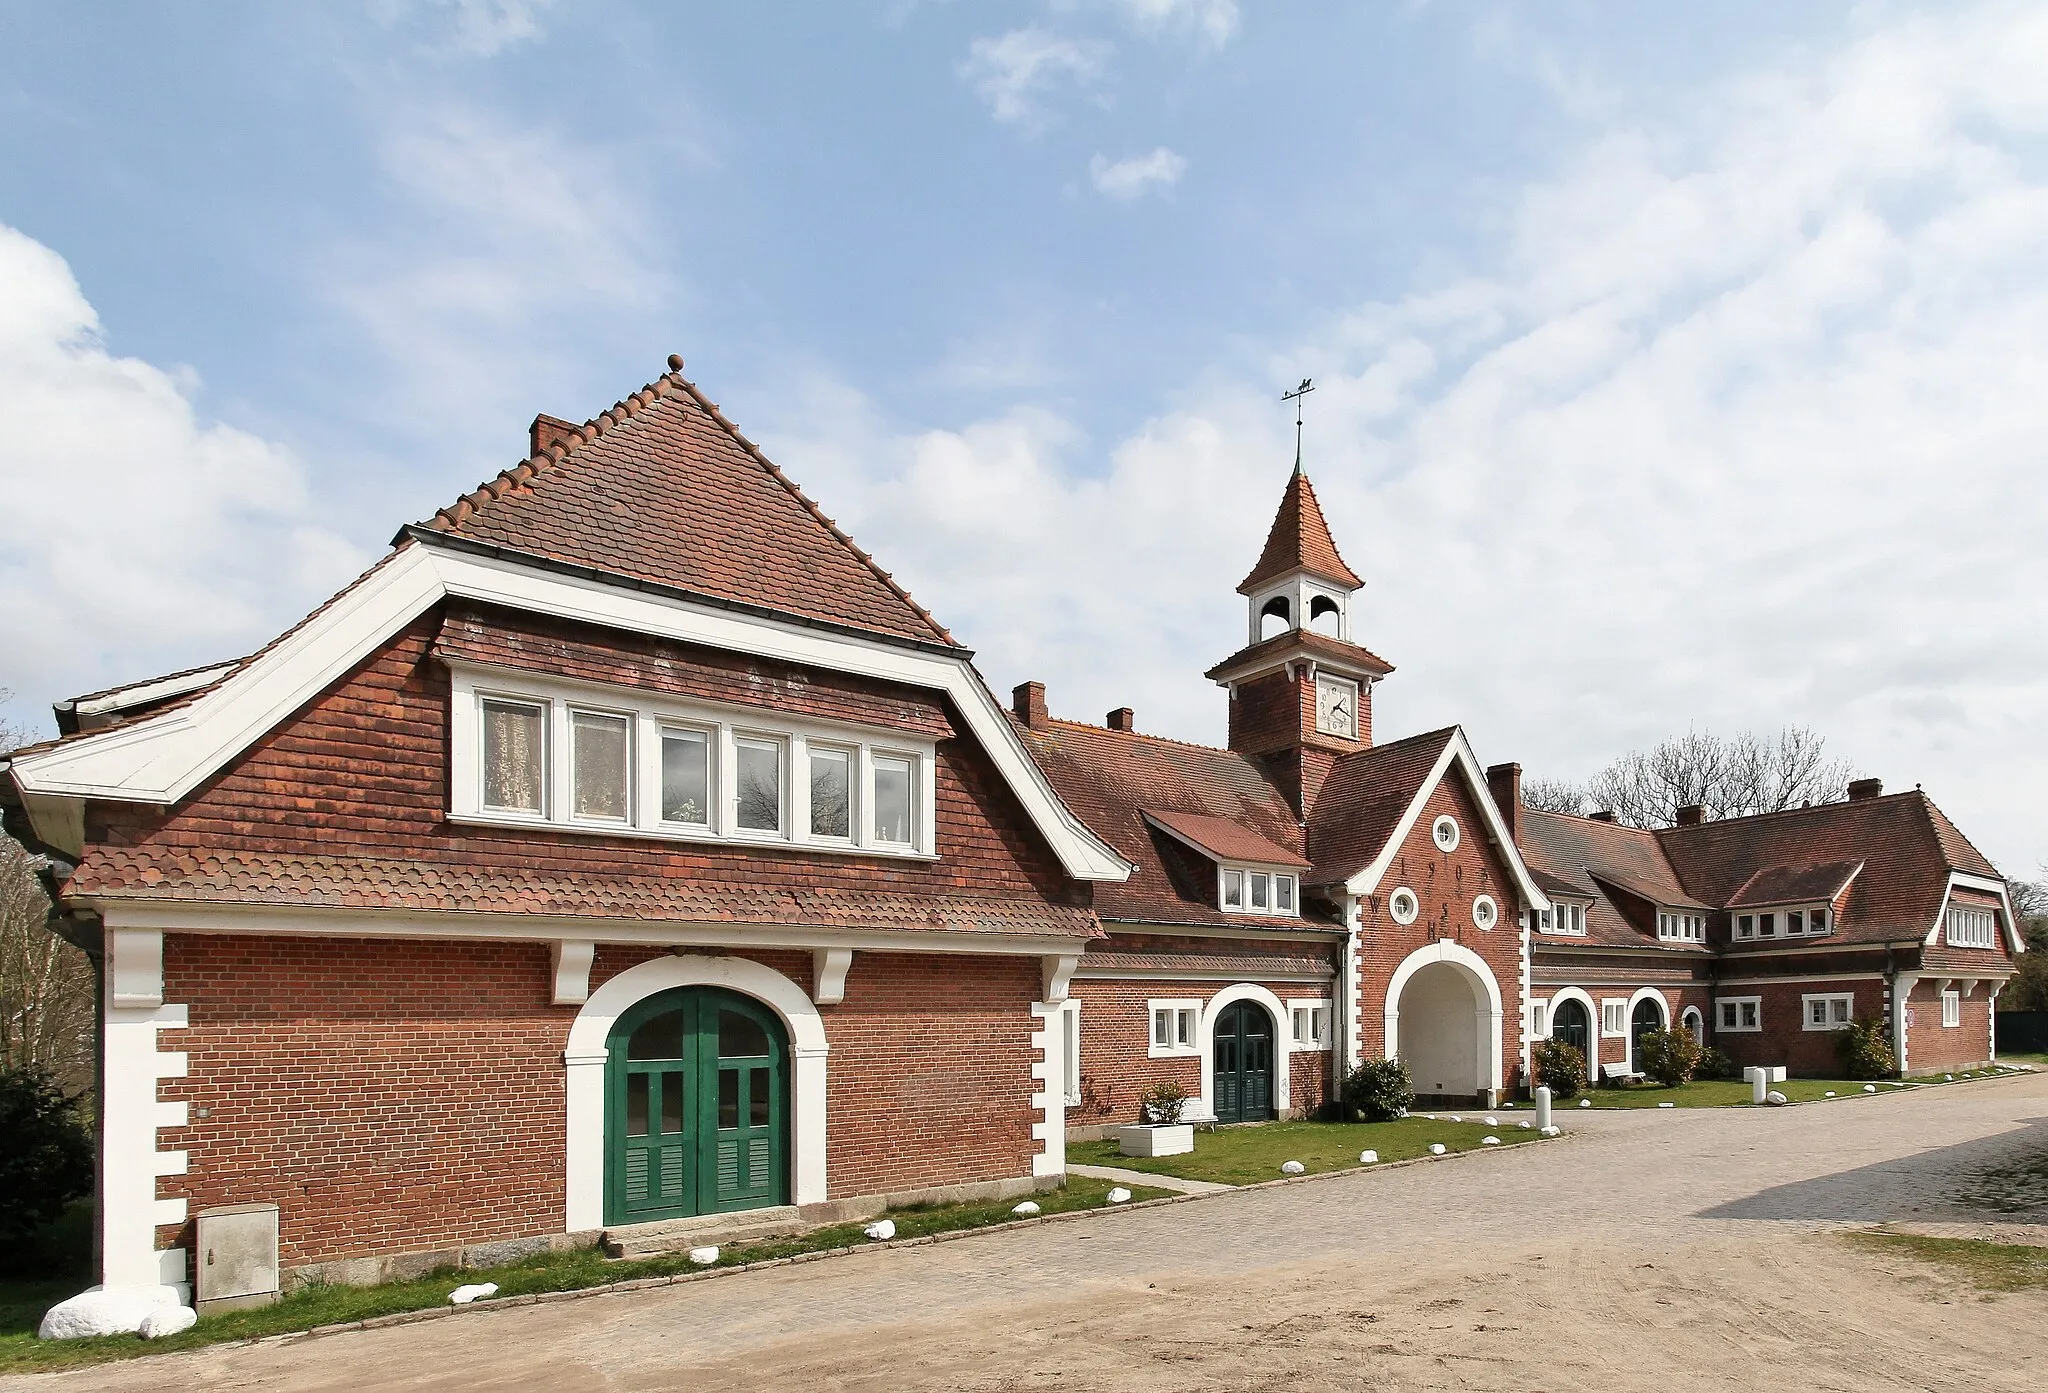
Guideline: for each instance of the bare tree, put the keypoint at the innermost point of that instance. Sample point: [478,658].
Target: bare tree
[1724,777]
[46,984]
[1553,796]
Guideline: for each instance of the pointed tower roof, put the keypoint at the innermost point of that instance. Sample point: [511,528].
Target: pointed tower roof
[663,488]
[1300,541]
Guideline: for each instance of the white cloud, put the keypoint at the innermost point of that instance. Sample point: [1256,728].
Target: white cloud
[1740,425]
[1213,22]
[477,28]
[1140,174]
[1015,72]
[135,536]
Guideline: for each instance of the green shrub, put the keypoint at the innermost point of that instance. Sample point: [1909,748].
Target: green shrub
[1378,1090]
[46,1159]
[1671,1057]
[1163,1102]
[1560,1067]
[1865,1049]
[1715,1065]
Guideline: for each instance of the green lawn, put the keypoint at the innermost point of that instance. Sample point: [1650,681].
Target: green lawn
[22,1304]
[1725,1093]
[1248,1154]
[1991,1266]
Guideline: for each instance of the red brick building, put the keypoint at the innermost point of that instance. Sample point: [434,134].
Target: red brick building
[627,849]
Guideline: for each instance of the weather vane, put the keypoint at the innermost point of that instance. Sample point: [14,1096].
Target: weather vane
[1307,385]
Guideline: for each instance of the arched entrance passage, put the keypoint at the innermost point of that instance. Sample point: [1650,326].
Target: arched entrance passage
[1646,1015]
[1695,1025]
[697,1107]
[1573,1024]
[1244,1047]
[1444,1021]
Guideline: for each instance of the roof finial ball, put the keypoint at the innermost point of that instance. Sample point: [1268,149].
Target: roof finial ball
[675,362]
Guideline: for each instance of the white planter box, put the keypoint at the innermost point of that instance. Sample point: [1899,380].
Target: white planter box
[1161,1139]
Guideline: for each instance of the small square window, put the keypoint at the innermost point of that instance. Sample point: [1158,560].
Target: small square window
[1766,925]
[1817,1010]
[1817,921]
[1795,922]
[1839,1010]
[1233,889]
[1745,926]
[1749,1015]
[1162,1028]
[1283,893]
[1185,1035]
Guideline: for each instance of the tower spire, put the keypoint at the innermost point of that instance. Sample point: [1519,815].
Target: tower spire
[1307,385]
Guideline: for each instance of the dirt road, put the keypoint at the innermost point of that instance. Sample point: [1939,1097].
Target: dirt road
[1649,1250]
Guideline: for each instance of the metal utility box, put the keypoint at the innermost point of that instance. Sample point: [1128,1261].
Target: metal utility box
[236,1264]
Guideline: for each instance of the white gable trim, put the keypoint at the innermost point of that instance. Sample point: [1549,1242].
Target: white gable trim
[1989,885]
[1457,750]
[163,758]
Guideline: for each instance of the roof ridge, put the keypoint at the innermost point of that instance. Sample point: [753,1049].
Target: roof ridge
[520,475]
[1786,812]
[1930,810]
[1094,729]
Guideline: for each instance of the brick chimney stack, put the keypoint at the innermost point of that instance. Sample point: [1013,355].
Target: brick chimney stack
[1691,815]
[1505,782]
[1123,718]
[1028,701]
[1860,789]
[1604,815]
[546,432]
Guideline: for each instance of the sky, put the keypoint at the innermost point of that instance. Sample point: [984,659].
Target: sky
[1676,366]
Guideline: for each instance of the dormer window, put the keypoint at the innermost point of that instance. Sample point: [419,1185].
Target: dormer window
[1249,891]
[1681,926]
[1972,928]
[1563,917]
[1806,921]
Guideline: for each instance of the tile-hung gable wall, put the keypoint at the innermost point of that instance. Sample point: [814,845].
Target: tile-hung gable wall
[1445,884]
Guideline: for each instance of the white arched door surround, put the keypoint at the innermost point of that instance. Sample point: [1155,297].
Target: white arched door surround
[1592,1025]
[1641,995]
[1245,991]
[584,1062]
[1486,1004]
[1694,1023]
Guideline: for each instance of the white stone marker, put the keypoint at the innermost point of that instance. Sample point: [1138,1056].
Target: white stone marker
[1119,1195]
[1292,1168]
[1368,1158]
[1028,1208]
[462,1296]
[882,1230]
[1543,1107]
[704,1257]
[1436,1148]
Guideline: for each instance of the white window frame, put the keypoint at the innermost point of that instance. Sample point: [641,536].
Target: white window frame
[709,734]
[853,789]
[1070,1051]
[1971,926]
[1185,1012]
[1951,1009]
[1567,920]
[1485,913]
[1414,905]
[651,713]
[1721,1025]
[1614,1009]
[1245,871]
[1444,824]
[1827,1001]
[1681,926]
[1539,1019]
[1319,1015]
[792,811]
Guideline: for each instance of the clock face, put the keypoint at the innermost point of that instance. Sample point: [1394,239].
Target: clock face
[1337,707]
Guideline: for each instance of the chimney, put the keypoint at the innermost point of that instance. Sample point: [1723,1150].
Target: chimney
[546,431]
[1691,815]
[1028,701]
[1123,718]
[1860,789]
[1604,815]
[1505,781]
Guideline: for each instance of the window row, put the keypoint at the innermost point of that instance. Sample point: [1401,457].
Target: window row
[1176,1026]
[1827,1011]
[1564,917]
[567,758]
[1682,927]
[1739,1014]
[1818,919]
[1245,891]
[1972,928]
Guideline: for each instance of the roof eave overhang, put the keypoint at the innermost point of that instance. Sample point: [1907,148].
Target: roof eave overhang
[1288,866]
[1231,670]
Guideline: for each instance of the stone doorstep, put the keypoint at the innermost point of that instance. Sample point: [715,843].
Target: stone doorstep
[700,1230]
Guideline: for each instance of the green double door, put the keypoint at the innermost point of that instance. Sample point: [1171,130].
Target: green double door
[1243,1075]
[696,1107]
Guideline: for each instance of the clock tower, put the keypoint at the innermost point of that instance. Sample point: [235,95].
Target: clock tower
[1301,688]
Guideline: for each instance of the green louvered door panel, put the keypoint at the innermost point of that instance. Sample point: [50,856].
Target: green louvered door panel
[696,1116]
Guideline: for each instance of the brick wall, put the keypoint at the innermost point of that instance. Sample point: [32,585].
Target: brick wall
[1932,1047]
[1784,1039]
[1445,883]
[405,1096]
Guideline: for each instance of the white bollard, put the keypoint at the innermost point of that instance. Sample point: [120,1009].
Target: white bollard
[1759,1084]
[1542,1108]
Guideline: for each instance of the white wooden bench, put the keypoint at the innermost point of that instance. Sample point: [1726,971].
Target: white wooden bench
[1619,1073]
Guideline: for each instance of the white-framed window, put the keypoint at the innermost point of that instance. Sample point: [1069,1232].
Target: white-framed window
[586,757]
[1485,913]
[1311,1024]
[1175,1028]
[1404,906]
[1745,926]
[1244,890]
[1951,1009]
[1444,832]
[1613,1017]
[1971,928]
[1070,1050]
[1681,926]
[1826,1010]
[1539,1019]
[1564,917]
[1740,1015]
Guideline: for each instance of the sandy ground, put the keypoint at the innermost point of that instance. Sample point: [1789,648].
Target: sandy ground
[1670,1251]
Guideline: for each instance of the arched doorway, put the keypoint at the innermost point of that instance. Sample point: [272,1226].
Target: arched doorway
[1242,1077]
[1440,1033]
[1573,1024]
[1695,1025]
[696,1107]
[1647,1016]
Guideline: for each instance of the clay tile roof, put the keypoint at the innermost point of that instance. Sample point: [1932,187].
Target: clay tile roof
[1223,839]
[1304,641]
[1247,967]
[1789,884]
[1589,858]
[1362,800]
[1300,541]
[1112,779]
[663,488]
